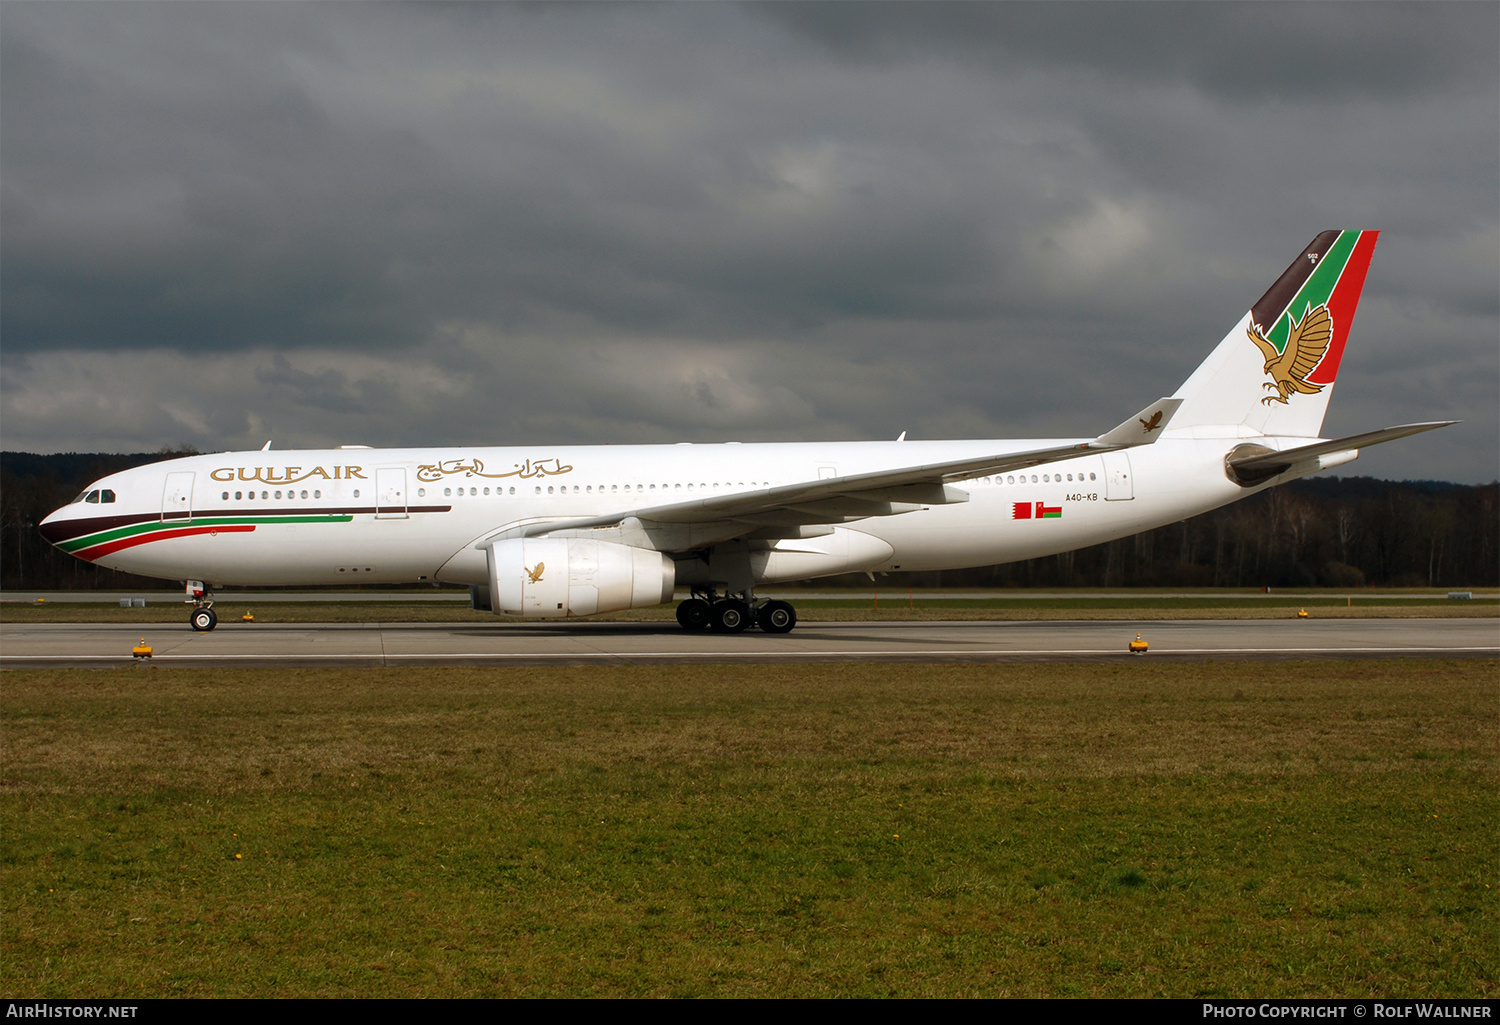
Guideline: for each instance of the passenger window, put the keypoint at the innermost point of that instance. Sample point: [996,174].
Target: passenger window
[356,493]
[317,494]
[238,495]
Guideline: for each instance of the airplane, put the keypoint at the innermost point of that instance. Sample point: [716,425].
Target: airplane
[542,532]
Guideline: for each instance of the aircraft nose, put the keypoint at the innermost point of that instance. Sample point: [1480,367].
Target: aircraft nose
[54,528]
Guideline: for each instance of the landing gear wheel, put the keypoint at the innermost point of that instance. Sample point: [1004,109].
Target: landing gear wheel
[203,620]
[776,617]
[730,616]
[694,614]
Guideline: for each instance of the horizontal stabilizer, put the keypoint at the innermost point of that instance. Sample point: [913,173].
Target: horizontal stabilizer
[1143,428]
[1267,464]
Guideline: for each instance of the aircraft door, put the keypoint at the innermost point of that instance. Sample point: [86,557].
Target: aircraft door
[1118,485]
[177,496]
[390,492]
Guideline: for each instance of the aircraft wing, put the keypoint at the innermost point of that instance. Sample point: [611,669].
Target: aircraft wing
[782,511]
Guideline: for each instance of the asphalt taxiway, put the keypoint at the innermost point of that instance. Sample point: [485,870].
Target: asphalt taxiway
[392,644]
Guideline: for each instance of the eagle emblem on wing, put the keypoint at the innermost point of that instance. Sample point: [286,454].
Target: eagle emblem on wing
[1306,343]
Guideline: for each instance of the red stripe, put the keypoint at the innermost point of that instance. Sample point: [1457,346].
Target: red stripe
[1342,304]
[99,551]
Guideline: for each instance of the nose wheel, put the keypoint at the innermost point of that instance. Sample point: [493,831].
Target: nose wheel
[203,618]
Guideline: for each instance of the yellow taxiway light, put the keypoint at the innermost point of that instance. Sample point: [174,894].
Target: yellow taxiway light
[141,650]
[1301,613]
[248,617]
[1138,646]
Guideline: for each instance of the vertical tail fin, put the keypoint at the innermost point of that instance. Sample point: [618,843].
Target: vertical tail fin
[1274,372]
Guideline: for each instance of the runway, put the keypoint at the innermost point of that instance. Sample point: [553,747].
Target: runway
[366,644]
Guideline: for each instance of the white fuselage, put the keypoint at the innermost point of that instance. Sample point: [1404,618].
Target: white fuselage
[347,516]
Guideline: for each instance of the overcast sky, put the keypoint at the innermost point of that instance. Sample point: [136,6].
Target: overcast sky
[411,225]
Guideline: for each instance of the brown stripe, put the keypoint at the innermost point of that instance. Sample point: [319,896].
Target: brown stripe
[1273,304]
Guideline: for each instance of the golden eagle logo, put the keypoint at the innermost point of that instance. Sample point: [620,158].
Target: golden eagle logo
[536,574]
[1305,345]
[1153,423]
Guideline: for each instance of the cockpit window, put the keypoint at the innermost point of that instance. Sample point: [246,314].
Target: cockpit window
[106,496]
[92,497]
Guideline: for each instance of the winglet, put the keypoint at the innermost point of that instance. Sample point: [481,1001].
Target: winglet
[1142,429]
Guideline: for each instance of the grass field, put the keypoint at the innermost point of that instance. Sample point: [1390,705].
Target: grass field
[891,607]
[1229,829]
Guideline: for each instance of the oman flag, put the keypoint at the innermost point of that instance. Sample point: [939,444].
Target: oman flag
[1036,511]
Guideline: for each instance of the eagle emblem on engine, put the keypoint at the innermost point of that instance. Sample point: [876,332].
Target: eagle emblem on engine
[1306,343]
[536,574]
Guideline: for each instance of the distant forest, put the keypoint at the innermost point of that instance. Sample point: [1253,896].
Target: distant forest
[1338,532]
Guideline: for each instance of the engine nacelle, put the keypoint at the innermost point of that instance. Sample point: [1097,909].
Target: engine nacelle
[557,578]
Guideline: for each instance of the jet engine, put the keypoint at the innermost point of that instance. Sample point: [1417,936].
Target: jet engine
[558,578]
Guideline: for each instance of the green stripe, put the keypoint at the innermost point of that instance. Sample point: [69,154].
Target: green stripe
[90,540]
[1317,289]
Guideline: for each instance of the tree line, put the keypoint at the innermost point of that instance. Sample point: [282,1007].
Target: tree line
[1322,531]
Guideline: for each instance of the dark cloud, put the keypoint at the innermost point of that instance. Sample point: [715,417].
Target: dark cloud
[1236,51]
[430,223]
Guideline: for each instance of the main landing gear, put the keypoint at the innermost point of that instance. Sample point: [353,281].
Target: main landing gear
[203,618]
[734,614]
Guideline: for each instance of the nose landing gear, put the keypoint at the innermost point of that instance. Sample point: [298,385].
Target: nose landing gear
[203,618]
